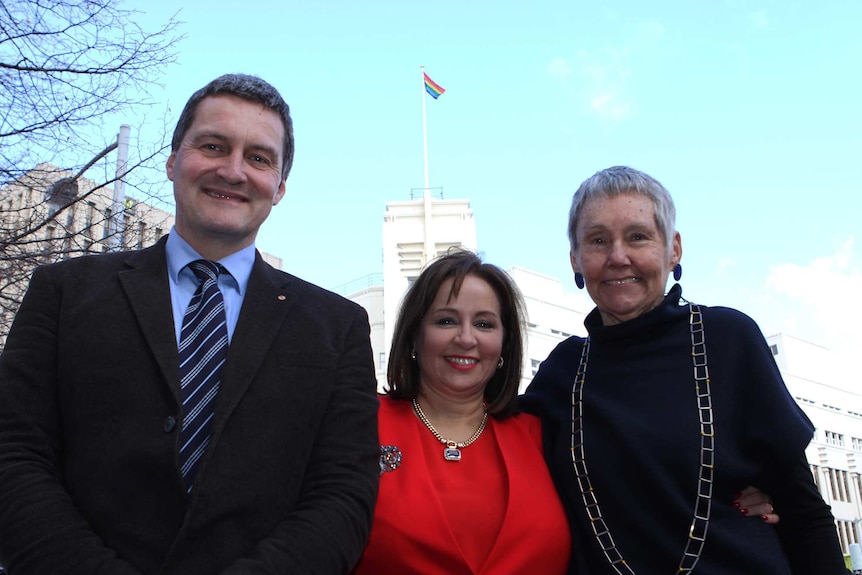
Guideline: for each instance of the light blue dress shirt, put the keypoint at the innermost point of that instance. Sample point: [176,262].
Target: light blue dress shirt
[183,282]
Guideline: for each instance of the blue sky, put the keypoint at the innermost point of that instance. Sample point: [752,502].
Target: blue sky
[747,111]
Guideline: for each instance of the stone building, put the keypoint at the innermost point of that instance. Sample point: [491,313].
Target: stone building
[48,216]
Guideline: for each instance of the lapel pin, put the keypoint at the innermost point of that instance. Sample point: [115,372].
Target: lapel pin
[281,298]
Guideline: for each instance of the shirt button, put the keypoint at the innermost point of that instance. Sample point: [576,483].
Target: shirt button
[170,424]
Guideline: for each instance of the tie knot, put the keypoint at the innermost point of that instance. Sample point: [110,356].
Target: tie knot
[205,270]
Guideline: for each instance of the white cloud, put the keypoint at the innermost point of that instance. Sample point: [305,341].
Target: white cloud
[725,263]
[610,106]
[821,299]
[605,81]
[604,78]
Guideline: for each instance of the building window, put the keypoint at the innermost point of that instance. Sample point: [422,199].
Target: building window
[107,223]
[126,231]
[836,439]
[856,443]
[840,486]
[381,362]
[534,366]
[816,474]
[67,247]
[846,534]
[774,349]
[833,483]
[843,485]
[142,231]
[89,217]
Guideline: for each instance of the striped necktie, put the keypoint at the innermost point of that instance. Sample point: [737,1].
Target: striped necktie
[202,351]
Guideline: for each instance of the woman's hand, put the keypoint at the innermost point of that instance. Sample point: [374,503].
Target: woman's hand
[753,502]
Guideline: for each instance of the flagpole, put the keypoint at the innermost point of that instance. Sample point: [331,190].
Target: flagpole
[424,127]
[429,244]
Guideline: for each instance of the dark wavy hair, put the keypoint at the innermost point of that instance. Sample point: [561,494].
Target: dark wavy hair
[501,392]
[249,88]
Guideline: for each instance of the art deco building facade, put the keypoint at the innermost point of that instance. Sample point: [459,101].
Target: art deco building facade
[829,393]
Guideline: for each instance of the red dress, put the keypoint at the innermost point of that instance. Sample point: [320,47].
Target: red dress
[494,512]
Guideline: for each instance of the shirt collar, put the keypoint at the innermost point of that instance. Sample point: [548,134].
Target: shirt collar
[180,253]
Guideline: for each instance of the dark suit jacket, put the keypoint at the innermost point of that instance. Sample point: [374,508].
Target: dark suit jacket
[89,424]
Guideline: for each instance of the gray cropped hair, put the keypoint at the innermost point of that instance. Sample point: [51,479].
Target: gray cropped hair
[249,88]
[617,181]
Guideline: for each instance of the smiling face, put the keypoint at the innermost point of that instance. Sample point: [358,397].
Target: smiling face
[460,340]
[227,174]
[623,256]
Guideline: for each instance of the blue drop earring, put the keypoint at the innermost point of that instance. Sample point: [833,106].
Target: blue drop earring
[579,280]
[677,272]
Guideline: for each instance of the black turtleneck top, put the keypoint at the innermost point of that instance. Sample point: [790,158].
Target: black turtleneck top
[642,446]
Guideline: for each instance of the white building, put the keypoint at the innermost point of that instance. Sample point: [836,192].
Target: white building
[414,233]
[552,316]
[417,231]
[829,394]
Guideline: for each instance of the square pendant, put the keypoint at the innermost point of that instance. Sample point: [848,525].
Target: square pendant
[452,454]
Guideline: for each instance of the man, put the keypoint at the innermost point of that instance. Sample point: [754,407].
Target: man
[129,447]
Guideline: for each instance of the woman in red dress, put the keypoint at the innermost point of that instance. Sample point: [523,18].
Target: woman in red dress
[464,488]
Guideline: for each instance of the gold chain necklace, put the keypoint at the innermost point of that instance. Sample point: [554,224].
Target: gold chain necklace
[451,451]
[696,536]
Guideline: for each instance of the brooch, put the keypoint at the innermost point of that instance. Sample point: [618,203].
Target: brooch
[390,458]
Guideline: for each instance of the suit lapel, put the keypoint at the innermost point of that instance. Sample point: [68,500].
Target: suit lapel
[148,291]
[512,445]
[264,307]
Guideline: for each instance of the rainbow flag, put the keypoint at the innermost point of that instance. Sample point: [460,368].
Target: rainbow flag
[432,87]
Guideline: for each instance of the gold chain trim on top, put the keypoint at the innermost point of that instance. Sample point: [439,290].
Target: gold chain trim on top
[696,536]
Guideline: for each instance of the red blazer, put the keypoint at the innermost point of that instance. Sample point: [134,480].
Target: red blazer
[411,534]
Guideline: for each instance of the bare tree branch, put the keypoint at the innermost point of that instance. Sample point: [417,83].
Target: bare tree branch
[66,66]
